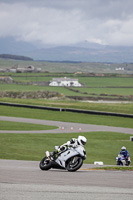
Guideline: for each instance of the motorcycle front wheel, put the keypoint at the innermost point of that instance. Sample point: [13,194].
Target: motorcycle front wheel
[74,164]
[45,164]
[119,163]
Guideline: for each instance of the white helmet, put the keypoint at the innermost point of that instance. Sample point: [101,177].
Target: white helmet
[82,140]
[123,148]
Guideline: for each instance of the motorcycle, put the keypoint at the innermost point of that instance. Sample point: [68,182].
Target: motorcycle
[121,160]
[71,159]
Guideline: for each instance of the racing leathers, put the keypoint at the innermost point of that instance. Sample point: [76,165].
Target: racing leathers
[125,154]
[72,143]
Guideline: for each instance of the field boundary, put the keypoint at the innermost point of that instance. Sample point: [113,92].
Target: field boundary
[68,110]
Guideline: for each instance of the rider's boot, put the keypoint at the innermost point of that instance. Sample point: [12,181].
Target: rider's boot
[53,154]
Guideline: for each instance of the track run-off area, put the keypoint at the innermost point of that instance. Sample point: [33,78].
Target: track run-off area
[24,179]
[64,127]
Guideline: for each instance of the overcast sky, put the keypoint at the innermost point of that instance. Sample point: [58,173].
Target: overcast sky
[65,22]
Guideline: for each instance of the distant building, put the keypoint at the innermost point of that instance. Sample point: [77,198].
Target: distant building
[2,70]
[29,68]
[65,82]
[78,73]
[119,68]
[6,79]
[13,70]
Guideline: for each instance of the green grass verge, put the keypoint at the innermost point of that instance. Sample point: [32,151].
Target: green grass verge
[123,168]
[100,146]
[107,107]
[66,116]
[15,126]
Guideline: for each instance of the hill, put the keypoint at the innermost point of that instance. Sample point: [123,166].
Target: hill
[15,57]
[83,51]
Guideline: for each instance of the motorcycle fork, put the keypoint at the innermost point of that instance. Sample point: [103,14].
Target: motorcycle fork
[73,161]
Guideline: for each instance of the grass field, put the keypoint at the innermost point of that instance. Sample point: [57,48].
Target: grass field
[106,81]
[100,146]
[107,107]
[69,67]
[66,116]
[15,126]
[114,87]
[88,81]
[103,93]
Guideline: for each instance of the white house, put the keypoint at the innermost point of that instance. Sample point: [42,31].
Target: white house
[65,82]
[119,68]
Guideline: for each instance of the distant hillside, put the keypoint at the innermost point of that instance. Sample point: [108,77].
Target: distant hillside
[80,52]
[15,57]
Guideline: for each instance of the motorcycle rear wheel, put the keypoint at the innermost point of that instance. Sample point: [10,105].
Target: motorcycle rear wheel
[74,166]
[45,164]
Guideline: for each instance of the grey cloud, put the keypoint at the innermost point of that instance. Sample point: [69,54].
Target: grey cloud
[67,22]
[95,8]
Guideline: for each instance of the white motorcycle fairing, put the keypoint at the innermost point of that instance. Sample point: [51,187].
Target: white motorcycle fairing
[71,159]
[69,153]
[122,161]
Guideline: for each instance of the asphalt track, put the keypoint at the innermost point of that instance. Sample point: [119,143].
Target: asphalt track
[64,127]
[24,180]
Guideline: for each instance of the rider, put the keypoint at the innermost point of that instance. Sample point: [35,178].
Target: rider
[81,140]
[125,153]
